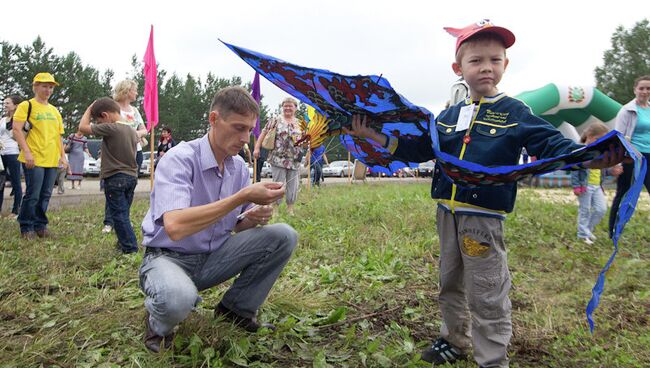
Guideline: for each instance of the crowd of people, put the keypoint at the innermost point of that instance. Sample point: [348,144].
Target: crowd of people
[207,223]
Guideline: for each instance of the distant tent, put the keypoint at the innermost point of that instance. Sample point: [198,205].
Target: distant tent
[571,108]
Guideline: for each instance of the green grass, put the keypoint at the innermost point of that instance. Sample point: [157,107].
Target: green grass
[360,290]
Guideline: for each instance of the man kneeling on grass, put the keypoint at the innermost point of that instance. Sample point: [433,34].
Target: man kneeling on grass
[202,227]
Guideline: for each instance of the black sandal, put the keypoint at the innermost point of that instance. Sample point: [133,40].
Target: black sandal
[441,352]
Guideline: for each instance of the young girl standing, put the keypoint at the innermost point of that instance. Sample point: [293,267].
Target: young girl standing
[587,186]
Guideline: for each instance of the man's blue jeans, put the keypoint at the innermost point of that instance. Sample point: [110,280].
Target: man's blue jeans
[39,182]
[318,173]
[171,281]
[118,190]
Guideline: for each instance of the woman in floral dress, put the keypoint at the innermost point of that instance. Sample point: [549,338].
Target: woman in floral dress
[76,146]
[285,157]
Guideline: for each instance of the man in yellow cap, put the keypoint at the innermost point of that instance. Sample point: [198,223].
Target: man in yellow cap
[38,127]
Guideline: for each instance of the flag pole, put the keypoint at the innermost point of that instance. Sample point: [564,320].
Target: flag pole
[257,96]
[254,161]
[349,170]
[151,158]
[308,167]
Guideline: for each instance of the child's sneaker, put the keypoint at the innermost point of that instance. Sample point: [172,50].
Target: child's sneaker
[587,241]
[441,352]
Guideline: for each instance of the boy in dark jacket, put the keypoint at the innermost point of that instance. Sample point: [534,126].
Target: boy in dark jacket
[491,129]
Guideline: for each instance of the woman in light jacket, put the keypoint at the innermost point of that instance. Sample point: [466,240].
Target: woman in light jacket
[633,120]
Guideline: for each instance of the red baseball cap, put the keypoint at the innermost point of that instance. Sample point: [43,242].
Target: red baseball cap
[463,34]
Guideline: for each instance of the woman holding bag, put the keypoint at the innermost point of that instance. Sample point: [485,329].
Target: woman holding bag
[284,157]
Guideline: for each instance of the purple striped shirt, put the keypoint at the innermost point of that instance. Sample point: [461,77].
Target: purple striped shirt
[188,176]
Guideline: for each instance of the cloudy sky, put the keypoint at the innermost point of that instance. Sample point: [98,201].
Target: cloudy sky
[557,41]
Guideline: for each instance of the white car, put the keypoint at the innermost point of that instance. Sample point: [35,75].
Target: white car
[338,168]
[91,165]
[266,170]
[145,168]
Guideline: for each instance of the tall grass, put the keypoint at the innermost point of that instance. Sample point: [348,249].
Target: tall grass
[360,290]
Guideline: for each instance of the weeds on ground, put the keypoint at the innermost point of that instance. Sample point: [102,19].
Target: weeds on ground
[360,290]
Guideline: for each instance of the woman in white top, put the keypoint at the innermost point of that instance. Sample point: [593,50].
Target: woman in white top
[9,151]
[125,93]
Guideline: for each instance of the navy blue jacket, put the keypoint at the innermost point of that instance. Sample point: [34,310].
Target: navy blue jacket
[503,126]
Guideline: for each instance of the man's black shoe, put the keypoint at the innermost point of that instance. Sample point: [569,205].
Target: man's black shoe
[248,324]
[154,342]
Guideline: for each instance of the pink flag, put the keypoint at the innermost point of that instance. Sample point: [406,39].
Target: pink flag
[257,97]
[150,85]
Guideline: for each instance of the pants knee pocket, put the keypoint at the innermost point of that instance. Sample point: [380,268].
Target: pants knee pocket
[488,297]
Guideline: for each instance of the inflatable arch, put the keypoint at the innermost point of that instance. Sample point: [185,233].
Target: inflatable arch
[571,108]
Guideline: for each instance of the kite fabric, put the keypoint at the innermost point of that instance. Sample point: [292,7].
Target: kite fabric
[257,96]
[150,85]
[338,97]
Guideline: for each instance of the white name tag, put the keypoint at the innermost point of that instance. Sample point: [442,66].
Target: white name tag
[465,117]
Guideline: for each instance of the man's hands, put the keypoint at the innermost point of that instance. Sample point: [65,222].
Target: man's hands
[264,193]
[259,215]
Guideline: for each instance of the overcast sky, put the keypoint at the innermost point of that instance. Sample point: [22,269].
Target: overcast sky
[557,41]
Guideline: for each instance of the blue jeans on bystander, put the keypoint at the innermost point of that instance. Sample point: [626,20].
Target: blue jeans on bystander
[12,167]
[118,190]
[39,182]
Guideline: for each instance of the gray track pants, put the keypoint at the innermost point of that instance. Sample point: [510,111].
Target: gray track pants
[474,285]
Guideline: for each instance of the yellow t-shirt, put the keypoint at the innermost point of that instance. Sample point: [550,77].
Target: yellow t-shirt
[44,139]
[594,177]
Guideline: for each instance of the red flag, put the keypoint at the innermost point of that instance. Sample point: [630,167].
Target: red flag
[150,85]
[257,97]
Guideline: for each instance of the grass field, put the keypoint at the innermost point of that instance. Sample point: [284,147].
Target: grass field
[359,291]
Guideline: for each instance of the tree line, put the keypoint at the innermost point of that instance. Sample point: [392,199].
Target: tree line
[183,101]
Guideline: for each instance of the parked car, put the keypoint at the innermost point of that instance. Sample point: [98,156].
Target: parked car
[91,165]
[426,168]
[404,172]
[266,170]
[337,168]
[145,168]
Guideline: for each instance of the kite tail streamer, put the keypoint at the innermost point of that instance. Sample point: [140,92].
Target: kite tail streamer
[598,288]
[625,211]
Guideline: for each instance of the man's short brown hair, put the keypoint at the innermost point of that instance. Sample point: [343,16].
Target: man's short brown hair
[236,100]
[102,105]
